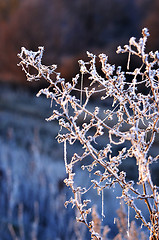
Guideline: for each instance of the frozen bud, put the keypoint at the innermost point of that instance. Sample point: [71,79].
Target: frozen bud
[132,41]
[145,32]
[119,50]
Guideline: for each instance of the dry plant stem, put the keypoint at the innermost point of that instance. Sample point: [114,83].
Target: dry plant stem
[146,199]
[20,220]
[12,232]
[35,224]
[133,116]
[122,183]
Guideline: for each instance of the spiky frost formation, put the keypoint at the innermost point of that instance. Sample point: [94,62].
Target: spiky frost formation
[132,117]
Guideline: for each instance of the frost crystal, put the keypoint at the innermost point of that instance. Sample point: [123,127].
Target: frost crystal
[132,118]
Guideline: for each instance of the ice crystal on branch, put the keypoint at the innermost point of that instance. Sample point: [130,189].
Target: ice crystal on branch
[132,117]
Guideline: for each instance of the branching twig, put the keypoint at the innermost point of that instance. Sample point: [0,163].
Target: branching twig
[133,116]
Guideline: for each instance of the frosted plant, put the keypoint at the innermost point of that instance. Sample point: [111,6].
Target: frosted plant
[131,122]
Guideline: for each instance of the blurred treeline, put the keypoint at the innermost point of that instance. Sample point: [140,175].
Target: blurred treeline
[68,28]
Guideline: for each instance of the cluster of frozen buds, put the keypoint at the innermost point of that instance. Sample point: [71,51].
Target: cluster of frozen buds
[132,117]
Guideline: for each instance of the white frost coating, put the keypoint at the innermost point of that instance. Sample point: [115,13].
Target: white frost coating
[65,155]
[103,204]
[133,118]
[128,232]
[81,89]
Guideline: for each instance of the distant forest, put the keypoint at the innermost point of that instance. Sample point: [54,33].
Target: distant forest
[67,29]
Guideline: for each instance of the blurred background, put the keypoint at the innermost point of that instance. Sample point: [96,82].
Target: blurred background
[67,29]
[31,162]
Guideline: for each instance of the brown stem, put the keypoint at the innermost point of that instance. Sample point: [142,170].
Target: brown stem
[146,200]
